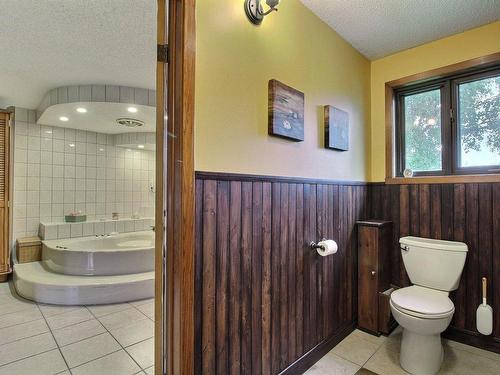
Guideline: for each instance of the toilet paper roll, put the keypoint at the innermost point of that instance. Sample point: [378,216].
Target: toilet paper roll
[327,247]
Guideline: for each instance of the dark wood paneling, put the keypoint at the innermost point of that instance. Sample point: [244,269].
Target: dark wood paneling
[460,212]
[267,303]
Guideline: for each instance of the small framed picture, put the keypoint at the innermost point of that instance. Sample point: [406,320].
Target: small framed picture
[336,128]
[285,111]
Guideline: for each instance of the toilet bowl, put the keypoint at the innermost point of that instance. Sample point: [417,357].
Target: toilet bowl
[424,309]
[423,314]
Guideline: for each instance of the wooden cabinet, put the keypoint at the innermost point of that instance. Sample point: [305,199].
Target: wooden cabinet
[374,242]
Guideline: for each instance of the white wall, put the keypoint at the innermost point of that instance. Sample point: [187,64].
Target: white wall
[52,178]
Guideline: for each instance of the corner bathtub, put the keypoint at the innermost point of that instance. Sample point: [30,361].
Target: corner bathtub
[119,254]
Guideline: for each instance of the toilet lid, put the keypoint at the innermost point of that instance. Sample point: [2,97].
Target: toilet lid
[421,300]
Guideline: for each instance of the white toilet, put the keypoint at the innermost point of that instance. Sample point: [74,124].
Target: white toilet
[424,309]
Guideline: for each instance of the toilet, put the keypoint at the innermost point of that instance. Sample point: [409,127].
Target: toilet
[424,309]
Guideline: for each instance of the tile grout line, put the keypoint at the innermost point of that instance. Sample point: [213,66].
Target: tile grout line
[114,338]
[54,338]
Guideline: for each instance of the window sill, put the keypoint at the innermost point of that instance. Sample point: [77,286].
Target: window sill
[455,179]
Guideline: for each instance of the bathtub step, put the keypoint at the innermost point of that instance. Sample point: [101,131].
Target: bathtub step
[33,281]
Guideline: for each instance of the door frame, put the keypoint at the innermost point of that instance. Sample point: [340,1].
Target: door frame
[174,217]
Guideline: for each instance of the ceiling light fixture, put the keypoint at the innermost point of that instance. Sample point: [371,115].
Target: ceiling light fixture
[63,118]
[81,110]
[71,145]
[255,11]
[140,146]
[132,109]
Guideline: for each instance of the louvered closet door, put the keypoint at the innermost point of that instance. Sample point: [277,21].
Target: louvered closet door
[4,196]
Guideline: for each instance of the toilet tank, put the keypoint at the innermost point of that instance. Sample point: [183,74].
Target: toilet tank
[435,264]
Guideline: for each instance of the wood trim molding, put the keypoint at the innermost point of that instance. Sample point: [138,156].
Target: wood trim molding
[174,352]
[454,179]
[390,143]
[200,175]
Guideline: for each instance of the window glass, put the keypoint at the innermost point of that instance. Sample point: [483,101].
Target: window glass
[479,122]
[422,121]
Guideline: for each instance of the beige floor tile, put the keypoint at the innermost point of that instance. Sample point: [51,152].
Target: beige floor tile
[12,305]
[150,370]
[143,353]
[21,331]
[355,349]
[377,340]
[121,318]
[102,310]
[333,364]
[50,362]
[148,309]
[26,347]
[385,362]
[76,332]
[89,349]
[27,315]
[472,349]
[69,318]
[118,363]
[142,301]
[461,362]
[135,332]
[51,310]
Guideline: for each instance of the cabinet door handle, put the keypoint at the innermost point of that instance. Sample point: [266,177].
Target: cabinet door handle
[373,273]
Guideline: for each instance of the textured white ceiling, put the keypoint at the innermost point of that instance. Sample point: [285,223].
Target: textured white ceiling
[46,44]
[379,28]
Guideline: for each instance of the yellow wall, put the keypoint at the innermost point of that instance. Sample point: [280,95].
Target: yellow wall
[460,47]
[234,63]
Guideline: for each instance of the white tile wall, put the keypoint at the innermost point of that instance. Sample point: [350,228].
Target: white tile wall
[59,170]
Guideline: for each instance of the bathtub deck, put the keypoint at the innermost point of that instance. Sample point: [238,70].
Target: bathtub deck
[34,282]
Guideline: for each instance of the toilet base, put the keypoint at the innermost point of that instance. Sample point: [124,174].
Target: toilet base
[421,354]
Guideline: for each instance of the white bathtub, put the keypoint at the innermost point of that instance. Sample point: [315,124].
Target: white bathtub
[119,254]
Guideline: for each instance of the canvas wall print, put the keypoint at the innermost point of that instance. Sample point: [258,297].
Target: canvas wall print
[286,111]
[336,128]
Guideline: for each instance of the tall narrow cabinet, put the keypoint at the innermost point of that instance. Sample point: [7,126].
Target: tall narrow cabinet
[374,242]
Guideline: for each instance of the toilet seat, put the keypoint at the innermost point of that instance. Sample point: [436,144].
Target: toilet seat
[422,302]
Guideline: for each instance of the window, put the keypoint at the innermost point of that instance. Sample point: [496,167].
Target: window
[449,125]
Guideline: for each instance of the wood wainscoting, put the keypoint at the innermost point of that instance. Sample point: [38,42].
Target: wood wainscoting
[265,302]
[461,212]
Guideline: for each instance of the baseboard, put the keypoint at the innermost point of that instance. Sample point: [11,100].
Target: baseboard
[315,354]
[474,339]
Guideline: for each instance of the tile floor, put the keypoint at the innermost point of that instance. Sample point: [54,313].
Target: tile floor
[363,354]
[79,340]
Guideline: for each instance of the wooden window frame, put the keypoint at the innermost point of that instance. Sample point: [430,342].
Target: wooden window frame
[446,75]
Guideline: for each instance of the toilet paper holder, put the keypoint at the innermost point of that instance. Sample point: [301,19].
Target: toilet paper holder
[314,246]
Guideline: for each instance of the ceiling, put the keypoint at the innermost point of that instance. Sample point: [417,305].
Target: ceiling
[100,117]
[379,28]
[47,44]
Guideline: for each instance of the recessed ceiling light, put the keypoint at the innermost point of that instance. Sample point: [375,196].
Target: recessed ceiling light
[63,118]
[71,145]
[132,109]
[140,146]
[48,131]
[81,110]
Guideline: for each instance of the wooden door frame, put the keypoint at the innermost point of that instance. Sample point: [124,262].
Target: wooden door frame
[5,267]
[174,218]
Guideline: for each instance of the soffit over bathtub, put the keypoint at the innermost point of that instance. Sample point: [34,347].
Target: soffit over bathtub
[378,28]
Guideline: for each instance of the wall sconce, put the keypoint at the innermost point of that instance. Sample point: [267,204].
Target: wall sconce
[255,11]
